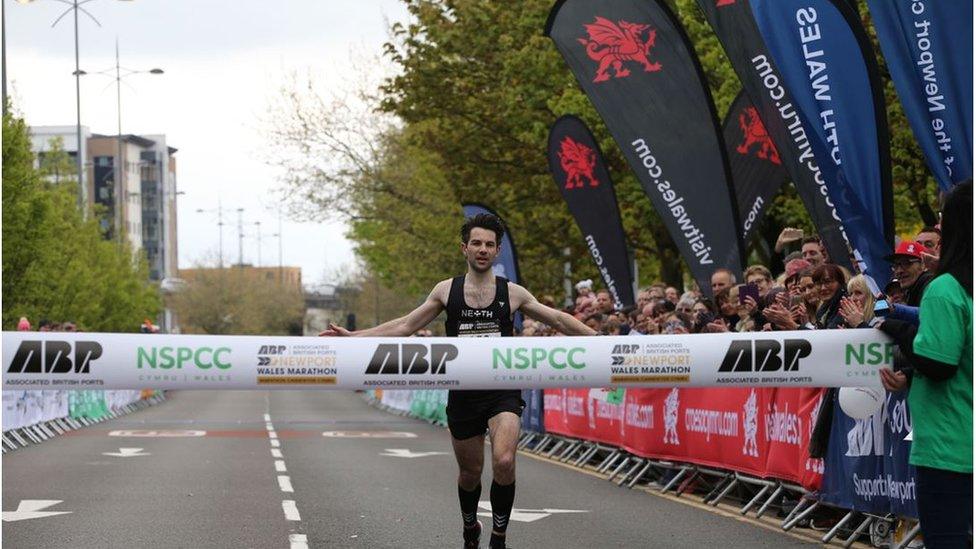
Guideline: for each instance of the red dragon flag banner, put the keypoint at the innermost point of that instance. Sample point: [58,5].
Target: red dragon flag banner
[581,174]
[757,169]
[635,63]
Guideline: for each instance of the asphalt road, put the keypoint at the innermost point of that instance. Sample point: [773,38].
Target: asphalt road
[253,469]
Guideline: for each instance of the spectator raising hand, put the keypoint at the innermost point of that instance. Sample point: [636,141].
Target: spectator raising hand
[851,312]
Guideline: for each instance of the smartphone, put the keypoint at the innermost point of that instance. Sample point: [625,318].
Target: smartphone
[881,306]
[795,300]
[704,318]
[748,290]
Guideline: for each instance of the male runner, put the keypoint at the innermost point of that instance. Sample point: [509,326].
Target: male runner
[479,304]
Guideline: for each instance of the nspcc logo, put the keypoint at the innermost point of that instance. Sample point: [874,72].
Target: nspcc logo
[871,354]
[166,358]
[524,358]
[54,357]
[763,355]
[411,358]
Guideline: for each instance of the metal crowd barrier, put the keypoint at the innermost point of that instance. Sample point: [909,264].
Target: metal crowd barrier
[37,433]
[624,469]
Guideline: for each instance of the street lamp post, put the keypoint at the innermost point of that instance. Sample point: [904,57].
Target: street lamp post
[257,226]
[240,238]
[220,226]
[118,168]
[73,6]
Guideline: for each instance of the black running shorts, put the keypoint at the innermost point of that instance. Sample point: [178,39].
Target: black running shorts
[468,412]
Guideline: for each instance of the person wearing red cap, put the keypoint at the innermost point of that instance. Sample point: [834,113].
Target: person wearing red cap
[907,267]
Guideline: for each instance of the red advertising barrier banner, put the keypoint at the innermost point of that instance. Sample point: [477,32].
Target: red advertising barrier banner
[764,432]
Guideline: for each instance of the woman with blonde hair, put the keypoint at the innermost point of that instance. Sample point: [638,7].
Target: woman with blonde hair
[857,308]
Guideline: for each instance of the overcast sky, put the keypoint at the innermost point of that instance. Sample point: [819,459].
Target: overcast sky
[223,63]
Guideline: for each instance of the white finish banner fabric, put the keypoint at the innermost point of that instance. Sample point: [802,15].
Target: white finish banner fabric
[827,358]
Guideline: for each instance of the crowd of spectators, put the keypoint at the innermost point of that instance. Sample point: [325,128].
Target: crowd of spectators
[44,325]
[932,331]
[811,293]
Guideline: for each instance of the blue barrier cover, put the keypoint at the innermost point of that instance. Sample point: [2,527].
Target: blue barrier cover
[532,417]
[867,468]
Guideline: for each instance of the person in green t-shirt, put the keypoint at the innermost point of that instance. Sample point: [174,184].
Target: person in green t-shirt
[941,394]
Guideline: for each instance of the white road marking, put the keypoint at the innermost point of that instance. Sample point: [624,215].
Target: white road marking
[369,434]
[526,515]
[126,452]
[291,511]
[174,433]
[406,453]
[32,509]
[295,541]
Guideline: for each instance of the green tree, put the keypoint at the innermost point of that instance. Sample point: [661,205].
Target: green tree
[56,265]
[237,301]
[55,164]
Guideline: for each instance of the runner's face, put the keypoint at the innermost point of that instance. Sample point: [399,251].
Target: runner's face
[480,250]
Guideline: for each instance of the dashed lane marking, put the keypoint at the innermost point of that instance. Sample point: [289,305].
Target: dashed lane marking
[290,509]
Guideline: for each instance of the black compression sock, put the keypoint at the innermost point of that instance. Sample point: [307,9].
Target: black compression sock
[469,505]
[502,499]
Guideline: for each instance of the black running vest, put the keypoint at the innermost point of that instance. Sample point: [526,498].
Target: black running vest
[464,321]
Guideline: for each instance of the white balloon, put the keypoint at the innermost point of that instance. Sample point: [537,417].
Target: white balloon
[861,402]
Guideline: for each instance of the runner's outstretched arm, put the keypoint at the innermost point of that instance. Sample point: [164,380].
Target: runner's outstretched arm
[405,325]
[563,323]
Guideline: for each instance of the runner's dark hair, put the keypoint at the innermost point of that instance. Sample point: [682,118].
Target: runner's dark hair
[483,221]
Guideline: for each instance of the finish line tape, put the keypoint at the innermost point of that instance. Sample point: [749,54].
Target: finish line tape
[828,358]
